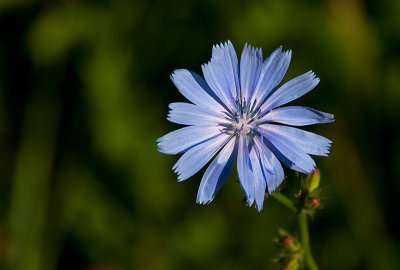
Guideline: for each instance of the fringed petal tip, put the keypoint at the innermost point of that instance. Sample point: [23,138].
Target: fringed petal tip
[330,118]
[252,49]
[159,146]
[218,48]
[280,50]
[271,189]
[288,54]
[175,72]
[179,173]
[250,201]
[258,206]
[204,201]
[180,177]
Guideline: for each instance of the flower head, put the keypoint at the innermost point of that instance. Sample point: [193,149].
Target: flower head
[235,111]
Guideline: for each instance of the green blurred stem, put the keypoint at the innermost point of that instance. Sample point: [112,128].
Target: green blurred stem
[303,224]
[305,241]
[285,201]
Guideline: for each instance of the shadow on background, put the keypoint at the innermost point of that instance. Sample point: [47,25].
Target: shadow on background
[84,90]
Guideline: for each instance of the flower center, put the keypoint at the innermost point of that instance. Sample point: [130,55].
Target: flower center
[243,125]
[243,120]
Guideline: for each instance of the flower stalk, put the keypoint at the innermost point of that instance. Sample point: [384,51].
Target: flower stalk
[305,241]
[285,201]
[305,205]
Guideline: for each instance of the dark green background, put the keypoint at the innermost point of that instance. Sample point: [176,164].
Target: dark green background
[84,90]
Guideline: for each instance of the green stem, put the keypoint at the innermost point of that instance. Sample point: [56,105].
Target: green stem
[305,241]
[285,201]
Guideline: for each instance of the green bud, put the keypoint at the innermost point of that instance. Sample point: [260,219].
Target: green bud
[282,233]
[290,244]
[287,241]
[312,180]
[292,262]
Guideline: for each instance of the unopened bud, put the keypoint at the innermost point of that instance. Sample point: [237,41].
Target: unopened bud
[312,180]
[290,244]
[287,241]
[314,202]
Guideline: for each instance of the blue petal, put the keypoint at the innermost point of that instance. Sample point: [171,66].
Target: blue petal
[196,157]
[291,90]
[195,89]
[182,139]
[215,77]
[272,168]
[307,142]
[245,172]
[259,179]
[288,152]
[250,68]
[217,173]
[225,55]
[250,174]
[272,73]
[297,116]
[190,114]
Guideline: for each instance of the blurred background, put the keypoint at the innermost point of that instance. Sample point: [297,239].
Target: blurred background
[84,94]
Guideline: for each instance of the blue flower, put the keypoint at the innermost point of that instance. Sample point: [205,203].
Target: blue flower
[235,112]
